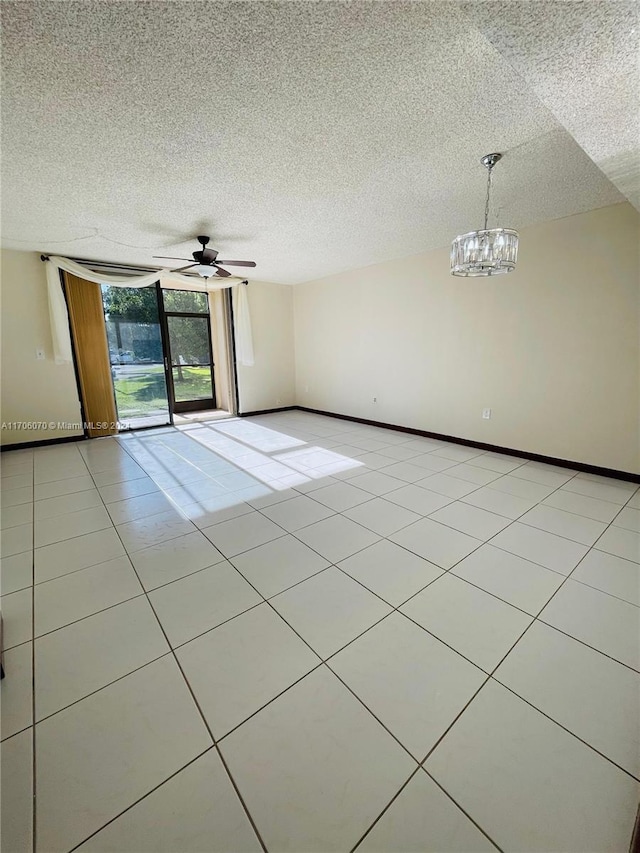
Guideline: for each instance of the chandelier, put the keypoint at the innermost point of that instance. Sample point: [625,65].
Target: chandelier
[491,251]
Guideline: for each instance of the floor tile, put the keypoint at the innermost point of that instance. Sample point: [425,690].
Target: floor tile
[405,471]
[471,621]
[439,544]
[43,491]
[521,488]
[635,500]
[15,497]
[299,512]
[140,534]
[472,474]
[412,682]
[102,647]
[240,534]
[377,483]
[381,516]
[68,526]
[443,484]
[620,542]
[610,574]
[390,571]
[418,499]
[629,518]
[128,489]
[16,481]
[16,799]
[52,561]
[341,496]
[17,691]
[502,503]
[71,597]
[193,811]
[16,618]
[544,475]
[567,524]
[329,610]
[119,474]
[458,453]
[433,463]
[277,565]
[13,516]
[65,504]
[548,550]
[357,767]
[240,666]
[141,506]
[582,505]
[212,511]
[424,818]
[471,520]
[498,462]
[591,695]
[138,731]
[199,602]
[526,585]
[400,452]
[337,538]
[608,624]
[16,540]
[176,558]
[561,794]
[16,572]
[590,488]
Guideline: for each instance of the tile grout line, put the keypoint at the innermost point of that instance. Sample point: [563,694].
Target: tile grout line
[199,709]
[334,565]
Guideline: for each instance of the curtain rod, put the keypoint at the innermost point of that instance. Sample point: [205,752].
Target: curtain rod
[123,267]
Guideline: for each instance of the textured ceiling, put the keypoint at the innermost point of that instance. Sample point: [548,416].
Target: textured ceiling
[310,137]
[582,59]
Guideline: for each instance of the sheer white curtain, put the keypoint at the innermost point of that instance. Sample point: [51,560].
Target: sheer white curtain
[58,308]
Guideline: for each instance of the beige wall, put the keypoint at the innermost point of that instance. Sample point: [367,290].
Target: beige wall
[552,348]
[270,383]
[32,390]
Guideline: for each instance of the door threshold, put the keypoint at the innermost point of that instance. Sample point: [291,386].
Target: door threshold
[185,418]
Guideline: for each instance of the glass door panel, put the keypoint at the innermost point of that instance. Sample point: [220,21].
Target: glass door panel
[132,317]
[191,361]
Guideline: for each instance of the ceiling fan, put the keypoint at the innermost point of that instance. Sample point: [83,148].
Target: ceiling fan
[206,261]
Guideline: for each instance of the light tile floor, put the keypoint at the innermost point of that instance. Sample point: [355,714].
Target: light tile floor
[297,633]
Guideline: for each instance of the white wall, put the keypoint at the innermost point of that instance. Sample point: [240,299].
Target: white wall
[31,390]
[552,348]
[270,383]
[35,390]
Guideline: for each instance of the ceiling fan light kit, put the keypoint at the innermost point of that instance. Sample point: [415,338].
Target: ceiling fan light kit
[206,263]
[489,251]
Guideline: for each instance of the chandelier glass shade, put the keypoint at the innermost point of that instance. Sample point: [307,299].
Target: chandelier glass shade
[489,251]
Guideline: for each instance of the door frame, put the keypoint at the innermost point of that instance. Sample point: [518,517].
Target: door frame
[177,407]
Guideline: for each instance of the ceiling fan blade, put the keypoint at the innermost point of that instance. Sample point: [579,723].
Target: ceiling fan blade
[166,258]
[237,263]
[180,269]
[222,272]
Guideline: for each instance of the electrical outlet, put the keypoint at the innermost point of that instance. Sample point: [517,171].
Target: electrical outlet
[40,355]
[306,389]
[486,414]
[278,402]
[375,399]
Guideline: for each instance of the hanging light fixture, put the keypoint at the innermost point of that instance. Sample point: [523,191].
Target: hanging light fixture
[492,251]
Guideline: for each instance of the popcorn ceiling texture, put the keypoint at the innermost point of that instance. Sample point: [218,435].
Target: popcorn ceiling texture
[582,59]
[309,137]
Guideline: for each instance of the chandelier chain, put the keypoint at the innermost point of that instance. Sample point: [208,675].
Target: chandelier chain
[486,204]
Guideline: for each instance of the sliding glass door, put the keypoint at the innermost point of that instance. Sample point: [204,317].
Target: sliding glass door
[188,336]
[136,353]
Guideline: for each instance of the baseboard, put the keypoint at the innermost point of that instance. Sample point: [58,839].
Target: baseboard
[45,442]
[508,451]
[267,411]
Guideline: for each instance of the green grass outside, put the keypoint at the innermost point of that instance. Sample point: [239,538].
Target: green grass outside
[147,393]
